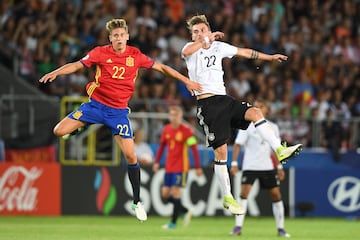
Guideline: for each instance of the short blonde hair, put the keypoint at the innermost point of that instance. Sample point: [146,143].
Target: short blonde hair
[116,23]
[197,19]
[176,108]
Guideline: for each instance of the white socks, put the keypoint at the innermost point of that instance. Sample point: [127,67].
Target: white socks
[278,211]
[267,133]
[239,219]
[222,175]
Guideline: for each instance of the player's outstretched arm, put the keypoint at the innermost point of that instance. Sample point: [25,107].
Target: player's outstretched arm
[253,54]
[198,169]
[159,152]
[168,71]
[63,70]
[201,42]
[234,164]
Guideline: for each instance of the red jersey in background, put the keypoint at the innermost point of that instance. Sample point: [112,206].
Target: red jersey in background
[177,159]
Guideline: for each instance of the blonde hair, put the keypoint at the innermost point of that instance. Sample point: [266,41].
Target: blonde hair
[116,23]
[176,108]
[197,19]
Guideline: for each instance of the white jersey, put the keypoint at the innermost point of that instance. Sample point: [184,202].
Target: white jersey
[205,66]
[144,152]
[257,152]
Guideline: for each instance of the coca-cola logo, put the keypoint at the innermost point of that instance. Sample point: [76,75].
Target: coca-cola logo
[17,191]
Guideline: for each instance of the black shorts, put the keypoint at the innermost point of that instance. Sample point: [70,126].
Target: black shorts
[268,179]
[218,115]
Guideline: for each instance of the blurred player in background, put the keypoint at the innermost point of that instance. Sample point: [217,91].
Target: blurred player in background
[117,65]
[217,112]
[259,163]
[178,138]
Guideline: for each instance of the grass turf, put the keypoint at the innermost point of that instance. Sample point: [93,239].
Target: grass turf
[120,227]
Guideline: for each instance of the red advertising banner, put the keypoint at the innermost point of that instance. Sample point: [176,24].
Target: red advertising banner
[40,154]
[30,189]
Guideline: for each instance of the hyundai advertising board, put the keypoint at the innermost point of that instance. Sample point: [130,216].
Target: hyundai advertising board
[331,192]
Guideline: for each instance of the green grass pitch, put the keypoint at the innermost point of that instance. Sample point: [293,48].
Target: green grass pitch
[127,227]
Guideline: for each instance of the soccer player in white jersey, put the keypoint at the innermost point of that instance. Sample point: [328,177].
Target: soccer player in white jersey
[257,163]
[217,112]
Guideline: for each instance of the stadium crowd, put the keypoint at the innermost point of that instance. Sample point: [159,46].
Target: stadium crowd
[320,81]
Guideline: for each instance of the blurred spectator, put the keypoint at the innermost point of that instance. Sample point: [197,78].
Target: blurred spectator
[77,83]
[178,41]
[331,134]
[342,114]
[287,131]
[60,87]
[146,17]
[176,9]
[303,92]
[323,104]
[240,85]
[27,69]
[144,153]
[87,37]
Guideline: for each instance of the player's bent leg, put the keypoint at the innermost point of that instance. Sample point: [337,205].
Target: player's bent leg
[67,126]
[233,206]
[284,152]
[76,132]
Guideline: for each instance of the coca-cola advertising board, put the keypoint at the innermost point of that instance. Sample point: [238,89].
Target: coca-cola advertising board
[30,189]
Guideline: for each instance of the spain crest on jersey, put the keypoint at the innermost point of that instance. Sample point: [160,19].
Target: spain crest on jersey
[130,61]
[77,114]
[178,136]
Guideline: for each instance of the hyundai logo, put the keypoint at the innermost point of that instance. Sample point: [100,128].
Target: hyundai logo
[344,194]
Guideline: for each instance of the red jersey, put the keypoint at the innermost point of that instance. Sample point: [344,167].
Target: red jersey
[115,74]
[177,159]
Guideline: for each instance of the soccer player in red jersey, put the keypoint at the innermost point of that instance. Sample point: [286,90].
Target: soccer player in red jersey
[178,138]
[117,65]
